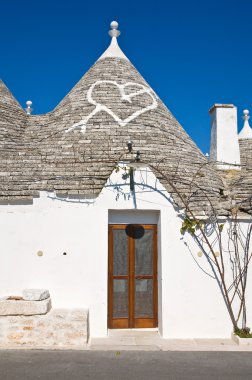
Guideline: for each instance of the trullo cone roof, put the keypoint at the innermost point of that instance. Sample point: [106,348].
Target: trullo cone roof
[74,148]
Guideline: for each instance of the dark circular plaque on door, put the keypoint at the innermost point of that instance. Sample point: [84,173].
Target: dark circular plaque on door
[135,231]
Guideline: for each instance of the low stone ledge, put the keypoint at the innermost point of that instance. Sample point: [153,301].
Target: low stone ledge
[241,341]
[22,307]
[58,328]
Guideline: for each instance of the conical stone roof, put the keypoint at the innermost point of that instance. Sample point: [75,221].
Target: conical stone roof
[12,116]
[242,186]
[74,148]
[12,126]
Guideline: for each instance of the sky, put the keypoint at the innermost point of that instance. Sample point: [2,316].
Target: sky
[192,53]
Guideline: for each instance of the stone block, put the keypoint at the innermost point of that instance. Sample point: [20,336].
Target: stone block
[21,307]
[35,294]
[57,328]
[79,315]
[15,336]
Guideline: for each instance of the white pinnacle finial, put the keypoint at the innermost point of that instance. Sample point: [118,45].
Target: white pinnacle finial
[114,32]
[28,109]
[246,116]
[246,132]
[113,51]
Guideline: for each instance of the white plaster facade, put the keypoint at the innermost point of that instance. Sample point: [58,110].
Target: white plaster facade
[189,302]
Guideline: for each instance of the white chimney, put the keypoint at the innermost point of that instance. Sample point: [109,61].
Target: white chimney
[224,136]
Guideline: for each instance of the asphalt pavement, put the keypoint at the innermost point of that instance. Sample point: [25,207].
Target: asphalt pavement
[124,365]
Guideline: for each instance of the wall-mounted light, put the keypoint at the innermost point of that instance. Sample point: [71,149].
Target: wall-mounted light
[136,163]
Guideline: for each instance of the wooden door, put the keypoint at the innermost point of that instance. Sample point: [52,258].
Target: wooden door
[132,285]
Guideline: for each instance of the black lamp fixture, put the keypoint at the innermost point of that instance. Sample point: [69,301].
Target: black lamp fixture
[134,164]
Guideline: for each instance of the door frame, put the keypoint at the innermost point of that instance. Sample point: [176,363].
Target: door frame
[132,322]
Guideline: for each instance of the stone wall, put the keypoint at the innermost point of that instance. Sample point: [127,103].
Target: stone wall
[58,328]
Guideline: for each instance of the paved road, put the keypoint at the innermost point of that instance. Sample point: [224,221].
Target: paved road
[124,365]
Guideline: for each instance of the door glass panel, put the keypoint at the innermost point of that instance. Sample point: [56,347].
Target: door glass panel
[144,298]
[120,248]
[144,253]
[120,298]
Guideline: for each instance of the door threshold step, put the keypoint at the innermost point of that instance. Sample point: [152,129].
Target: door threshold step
[134,332]
[118,348]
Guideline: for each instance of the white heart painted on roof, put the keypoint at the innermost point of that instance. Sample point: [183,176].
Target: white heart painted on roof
[101,107]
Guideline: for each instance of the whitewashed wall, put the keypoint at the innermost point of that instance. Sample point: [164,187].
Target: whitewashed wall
[190,304]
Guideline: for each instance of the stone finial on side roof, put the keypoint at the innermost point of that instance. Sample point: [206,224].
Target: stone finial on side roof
[28,108]
[246,132]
